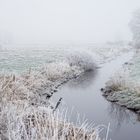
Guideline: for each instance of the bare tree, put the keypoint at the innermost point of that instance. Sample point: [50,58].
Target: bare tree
[135,28]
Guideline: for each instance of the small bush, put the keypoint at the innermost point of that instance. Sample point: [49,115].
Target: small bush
[81,59]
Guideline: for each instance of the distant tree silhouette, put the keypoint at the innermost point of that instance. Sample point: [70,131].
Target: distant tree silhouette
[135,28]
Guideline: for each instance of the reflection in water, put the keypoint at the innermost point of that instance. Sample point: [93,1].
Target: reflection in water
[84,80]
[138,117]
[121,115]
[124,124]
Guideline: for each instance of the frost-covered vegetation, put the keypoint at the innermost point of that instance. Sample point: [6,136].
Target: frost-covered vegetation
[32,84]
[18,121]
[81,59]
[124,87]
[15,60]
[26,112]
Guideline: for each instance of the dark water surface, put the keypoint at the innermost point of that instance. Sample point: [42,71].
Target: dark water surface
[84,95]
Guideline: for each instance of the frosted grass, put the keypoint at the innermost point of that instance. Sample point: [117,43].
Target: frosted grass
[20,60]
[31,123]
[26,112]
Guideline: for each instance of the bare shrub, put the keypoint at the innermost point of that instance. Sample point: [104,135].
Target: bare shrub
[81,59]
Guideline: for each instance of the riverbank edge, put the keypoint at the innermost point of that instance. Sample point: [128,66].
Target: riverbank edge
[36,104]
[124,98]
[123,93]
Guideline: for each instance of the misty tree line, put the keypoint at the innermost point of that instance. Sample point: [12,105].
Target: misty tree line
[135,28]
[6,37]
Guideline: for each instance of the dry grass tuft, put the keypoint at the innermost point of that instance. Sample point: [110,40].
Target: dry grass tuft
[41,124]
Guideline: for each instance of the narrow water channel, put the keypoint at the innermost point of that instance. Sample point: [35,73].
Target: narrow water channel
[84,95]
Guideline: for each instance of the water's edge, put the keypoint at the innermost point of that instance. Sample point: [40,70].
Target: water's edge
[84,95]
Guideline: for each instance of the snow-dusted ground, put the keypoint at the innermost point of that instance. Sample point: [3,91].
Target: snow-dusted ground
[21,59]
[130,70]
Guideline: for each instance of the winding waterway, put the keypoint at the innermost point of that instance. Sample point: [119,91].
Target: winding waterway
[84,97]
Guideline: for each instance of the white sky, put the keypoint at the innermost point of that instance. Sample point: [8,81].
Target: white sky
[42,21]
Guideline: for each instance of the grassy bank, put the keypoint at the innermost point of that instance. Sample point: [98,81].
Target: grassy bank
[123,88]
[26,112]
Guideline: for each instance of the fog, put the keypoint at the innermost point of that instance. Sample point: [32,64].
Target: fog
[84,21]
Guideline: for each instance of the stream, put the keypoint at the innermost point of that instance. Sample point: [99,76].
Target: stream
[83,96]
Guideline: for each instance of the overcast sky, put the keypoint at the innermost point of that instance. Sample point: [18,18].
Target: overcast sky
[42,21]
